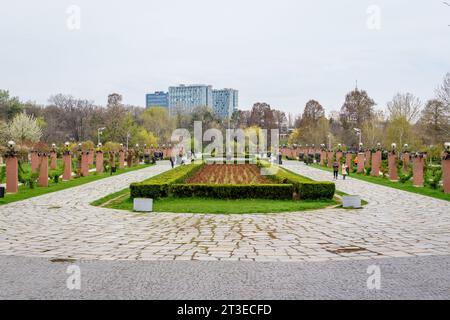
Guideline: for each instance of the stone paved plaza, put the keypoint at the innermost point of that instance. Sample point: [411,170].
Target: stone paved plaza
[64,225]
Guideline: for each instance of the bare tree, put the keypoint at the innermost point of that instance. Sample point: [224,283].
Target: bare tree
[73,116]
[312,113]
[435,122]
[404,105]
[443,92]
[357,108]
[447,4]
[117,119]
[281,121]
[262,116]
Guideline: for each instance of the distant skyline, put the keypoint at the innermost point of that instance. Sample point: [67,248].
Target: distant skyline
[282,52]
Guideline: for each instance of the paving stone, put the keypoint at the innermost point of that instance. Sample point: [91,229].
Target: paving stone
[394,224]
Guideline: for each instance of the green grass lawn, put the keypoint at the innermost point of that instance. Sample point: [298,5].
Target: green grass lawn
[122,201]
[25,192]
[426,191]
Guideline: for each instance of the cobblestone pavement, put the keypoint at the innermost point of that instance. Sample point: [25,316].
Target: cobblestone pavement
[400,278]
[64,225]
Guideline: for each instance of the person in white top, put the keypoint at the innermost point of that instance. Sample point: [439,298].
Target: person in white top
[344,170]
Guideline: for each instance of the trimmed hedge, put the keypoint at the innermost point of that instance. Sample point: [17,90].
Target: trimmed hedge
[250,191]
[316,190]
[158,186]
[305,188]
[289,185]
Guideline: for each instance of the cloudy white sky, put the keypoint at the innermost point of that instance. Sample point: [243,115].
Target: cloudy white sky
[283,52]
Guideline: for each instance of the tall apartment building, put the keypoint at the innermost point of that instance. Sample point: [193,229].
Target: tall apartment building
[157,99]
[225,102]
[184,98]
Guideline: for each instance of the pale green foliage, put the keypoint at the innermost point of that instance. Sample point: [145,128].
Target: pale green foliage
[143,137]
[295,137]
[157,120]
[400,131]
[373,132]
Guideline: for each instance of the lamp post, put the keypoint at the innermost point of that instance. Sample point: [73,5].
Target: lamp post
[394,147]
[99,133]
[128,138]
[358,133]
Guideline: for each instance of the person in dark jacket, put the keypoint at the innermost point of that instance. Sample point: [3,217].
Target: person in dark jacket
[335,170]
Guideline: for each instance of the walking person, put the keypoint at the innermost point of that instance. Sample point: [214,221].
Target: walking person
[344,171]
[335,170]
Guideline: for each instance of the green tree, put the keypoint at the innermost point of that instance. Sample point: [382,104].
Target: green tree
[144,137]
[157,121]
[295,137]
[9,106]
[401,131]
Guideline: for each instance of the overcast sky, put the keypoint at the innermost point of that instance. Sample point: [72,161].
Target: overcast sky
[283,52]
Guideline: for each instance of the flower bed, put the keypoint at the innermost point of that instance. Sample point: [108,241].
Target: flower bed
[231,182]
[229,174]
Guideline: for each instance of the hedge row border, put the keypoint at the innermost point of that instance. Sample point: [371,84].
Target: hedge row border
[288,185]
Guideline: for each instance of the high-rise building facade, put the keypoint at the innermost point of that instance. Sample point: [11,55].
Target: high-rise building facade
[225,102]
[184,98]
[157,99]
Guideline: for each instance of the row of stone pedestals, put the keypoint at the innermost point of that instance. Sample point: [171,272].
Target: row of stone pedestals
[294,152]
[374,160]
[40,162]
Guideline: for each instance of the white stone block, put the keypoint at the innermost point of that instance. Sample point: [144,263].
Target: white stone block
[143,205]
[351,202]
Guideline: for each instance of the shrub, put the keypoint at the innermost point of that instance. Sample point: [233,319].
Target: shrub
[54,175]
[2,174]
[32,179]
[305,188]
[27,177]
[250,191]
[436,176]
[316,190]
[403,178]
[158,186]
